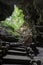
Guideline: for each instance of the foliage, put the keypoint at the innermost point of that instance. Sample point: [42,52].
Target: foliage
[14,22]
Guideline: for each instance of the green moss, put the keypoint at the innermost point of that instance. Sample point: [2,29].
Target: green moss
[15,21]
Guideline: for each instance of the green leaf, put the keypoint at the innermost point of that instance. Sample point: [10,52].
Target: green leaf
[15,21]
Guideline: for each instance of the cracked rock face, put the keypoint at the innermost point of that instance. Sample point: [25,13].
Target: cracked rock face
[10,2]
[39,3]
[5,11]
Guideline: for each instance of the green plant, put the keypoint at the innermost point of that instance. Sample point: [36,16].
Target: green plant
[15,21]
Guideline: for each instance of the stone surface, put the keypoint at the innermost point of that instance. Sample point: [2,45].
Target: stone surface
[5,11]
[9,2]
[39,3]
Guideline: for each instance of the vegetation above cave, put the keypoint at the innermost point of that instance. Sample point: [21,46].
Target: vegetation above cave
[15,21]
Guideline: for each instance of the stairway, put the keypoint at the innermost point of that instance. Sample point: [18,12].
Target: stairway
[16,55]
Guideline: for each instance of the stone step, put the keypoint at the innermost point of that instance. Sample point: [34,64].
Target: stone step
[14,52]
[17,45]
[17,49]
[16,59]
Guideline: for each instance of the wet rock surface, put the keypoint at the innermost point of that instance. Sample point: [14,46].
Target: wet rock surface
[5,11]
[39,3]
